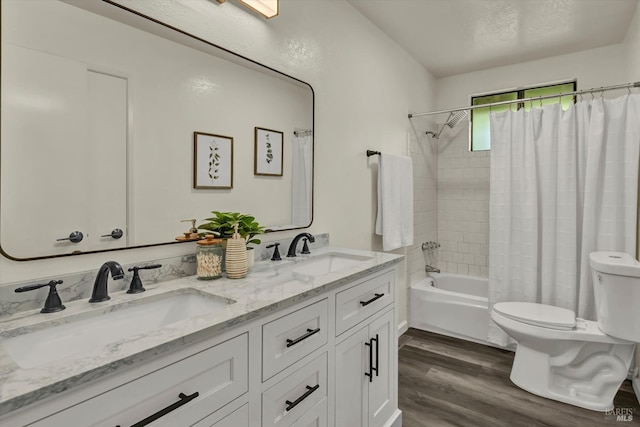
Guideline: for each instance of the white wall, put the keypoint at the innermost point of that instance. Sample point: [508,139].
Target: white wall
[364,85]
[632,43]
[423,151]
[463,176]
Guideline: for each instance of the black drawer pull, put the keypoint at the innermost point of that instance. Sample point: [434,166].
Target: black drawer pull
[184,399]
[304,337]
[377,355]
[291,405]
[377,296]
[371,368]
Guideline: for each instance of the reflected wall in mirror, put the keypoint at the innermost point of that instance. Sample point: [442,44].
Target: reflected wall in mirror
[99,109]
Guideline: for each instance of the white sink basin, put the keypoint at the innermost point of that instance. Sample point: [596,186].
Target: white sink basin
[88,335]
[327,263]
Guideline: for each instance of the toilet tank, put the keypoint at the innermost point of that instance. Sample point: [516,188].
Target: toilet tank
[616,284]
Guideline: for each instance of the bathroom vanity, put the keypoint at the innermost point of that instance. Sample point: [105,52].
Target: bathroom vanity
[296,343]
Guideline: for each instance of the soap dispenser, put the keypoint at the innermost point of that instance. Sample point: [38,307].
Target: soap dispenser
[236,259]
[190,235]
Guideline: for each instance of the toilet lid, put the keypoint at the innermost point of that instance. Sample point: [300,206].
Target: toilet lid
[546,316]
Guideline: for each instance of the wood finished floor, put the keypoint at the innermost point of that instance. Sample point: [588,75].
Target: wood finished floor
[446,382]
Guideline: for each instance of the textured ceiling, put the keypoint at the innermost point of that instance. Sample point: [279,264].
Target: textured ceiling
[457,36]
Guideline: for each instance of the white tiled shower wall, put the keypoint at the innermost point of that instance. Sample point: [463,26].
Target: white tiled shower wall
[423,152]
[463,205]
[451,202]
[463,177]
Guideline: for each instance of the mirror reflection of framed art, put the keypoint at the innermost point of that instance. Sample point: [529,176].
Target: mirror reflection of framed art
[268,152]
[212,161]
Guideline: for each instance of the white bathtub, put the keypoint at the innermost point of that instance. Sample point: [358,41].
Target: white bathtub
[451,304]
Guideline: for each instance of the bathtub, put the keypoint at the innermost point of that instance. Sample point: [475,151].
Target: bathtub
[451,304]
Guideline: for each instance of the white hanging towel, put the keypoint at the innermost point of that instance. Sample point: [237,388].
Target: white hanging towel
[395,201]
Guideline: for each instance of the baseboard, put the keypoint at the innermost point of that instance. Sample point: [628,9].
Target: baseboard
[395,420]
[636,387]
[403,327]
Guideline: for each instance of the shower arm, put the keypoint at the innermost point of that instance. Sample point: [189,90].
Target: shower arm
[434,134]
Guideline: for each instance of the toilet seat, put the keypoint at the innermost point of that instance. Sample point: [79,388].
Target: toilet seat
[541,315]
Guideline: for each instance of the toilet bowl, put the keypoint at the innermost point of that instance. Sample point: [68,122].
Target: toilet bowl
[572,360]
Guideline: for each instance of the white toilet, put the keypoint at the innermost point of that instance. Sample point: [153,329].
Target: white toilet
[572,360]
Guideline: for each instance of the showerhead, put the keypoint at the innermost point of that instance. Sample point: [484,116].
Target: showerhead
[453,119]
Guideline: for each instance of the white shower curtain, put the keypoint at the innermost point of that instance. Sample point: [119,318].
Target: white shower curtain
[563,184]
[302,175]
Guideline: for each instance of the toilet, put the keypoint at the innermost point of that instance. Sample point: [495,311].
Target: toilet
[572,360]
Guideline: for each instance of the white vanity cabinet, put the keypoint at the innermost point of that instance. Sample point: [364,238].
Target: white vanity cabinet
[290,337]
[366,374]
[237,418]
[329,360]
[179,394]
[286,402]
[366,354]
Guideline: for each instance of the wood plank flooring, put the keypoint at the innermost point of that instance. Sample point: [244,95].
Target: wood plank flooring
[446,382]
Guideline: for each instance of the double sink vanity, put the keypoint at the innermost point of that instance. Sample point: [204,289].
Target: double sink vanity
[304,341]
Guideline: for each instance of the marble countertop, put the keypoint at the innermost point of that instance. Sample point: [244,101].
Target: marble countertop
[269,287]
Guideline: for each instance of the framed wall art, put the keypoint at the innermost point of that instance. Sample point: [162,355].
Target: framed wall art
[212,161]
[268,152]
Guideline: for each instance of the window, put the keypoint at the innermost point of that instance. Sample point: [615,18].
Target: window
[480,116]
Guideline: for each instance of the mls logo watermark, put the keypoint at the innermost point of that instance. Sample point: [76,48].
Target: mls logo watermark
[619,414]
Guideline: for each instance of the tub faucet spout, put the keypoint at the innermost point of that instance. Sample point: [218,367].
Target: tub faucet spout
[430,269]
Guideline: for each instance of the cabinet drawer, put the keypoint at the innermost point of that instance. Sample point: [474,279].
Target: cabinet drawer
[238,418]
[299,393]
[289,338]
[355,304]
[208,380]
[316,417]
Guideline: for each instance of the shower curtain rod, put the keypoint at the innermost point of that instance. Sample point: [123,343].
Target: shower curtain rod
[535,98]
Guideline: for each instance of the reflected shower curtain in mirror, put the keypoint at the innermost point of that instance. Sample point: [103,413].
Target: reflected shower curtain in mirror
[563,184]
[302,170]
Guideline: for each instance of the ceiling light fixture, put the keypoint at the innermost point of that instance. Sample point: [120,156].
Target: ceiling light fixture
[266,8]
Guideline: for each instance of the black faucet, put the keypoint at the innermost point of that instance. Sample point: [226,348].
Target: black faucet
[136,284]
[53,302]
[100,293]
[292,247]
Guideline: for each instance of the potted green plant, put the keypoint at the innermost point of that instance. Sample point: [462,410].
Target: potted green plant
[223,222]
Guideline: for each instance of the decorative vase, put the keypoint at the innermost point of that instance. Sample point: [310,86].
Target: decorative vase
[236,259]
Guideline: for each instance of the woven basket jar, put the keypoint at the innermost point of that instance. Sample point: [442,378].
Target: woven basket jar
[236,256]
